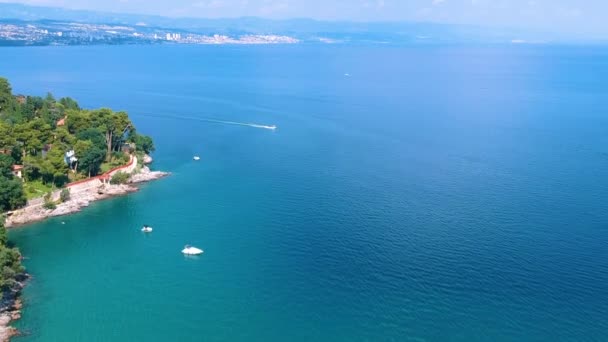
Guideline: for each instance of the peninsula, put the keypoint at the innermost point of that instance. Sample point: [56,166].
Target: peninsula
[56,158]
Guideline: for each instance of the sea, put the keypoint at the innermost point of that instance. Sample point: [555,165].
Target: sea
[408,193]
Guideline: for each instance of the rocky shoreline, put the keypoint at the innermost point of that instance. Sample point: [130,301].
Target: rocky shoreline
[10,302]
[81,199]
[10,310]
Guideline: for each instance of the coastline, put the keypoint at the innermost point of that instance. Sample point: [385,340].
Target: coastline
[82,194]
[10,310]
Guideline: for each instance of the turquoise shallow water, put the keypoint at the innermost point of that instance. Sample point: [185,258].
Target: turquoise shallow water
[436,194]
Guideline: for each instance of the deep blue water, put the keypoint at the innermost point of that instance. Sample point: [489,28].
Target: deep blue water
[436,194]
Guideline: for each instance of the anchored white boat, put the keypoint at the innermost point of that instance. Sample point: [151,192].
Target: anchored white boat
[146,229]
[189,250]
[196,158]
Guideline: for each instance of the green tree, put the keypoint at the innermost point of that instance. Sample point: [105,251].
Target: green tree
[3,234]
[69,103]
[64,195]
[48,201]
[11,194]
[7,101]
[142,142]
[90,160]
[31,167]
[32,135]
[7,140]
[78,121]
[11,270]
[63,136]
[6,164]
[81,148]
[94,135]
[120,178]
[122,126]
[28,112]
[53,168]
[49,99]
[16,154]
[51,111]
[114,127]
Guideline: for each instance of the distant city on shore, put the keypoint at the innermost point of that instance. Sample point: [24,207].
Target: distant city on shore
[71,33]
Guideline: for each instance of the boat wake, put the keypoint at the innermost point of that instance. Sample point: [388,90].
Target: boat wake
[263,126]
[224,122]
[240,123]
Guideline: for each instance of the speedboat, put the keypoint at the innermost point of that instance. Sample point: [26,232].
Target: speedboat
[271,127]
[196,158]
[189,250]
[146,229]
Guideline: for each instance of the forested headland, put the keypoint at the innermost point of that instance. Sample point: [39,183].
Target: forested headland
[46,143]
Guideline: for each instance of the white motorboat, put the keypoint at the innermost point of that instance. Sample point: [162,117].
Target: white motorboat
[189,250]
[196,158]
[146,229]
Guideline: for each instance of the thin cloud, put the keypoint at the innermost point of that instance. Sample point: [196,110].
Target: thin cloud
[209,4]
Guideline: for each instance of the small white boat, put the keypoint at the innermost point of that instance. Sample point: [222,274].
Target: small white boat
[146,229]
[196,158]
[273,127]
[189,250]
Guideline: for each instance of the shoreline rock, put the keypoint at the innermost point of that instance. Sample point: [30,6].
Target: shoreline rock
[146,175]
[6,331]
[147,159]
[10,310]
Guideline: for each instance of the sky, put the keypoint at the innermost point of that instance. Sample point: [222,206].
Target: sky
[585,17]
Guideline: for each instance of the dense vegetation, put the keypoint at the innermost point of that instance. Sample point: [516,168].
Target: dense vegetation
[11,270]
[37,132]
[11,189]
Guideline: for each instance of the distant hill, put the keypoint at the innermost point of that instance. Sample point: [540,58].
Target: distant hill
[307,30]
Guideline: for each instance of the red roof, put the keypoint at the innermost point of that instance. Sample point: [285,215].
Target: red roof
[17,167]
[61,122]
